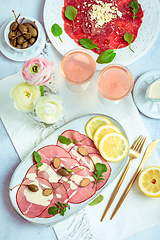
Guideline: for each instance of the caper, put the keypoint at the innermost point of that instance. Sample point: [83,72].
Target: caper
[47,191]
[33,32]
[20,40]
[32,40]
[14,42]
[85,182]
[25,45]
[33,188]
[28,25]
[22,28]
[63,172]
[14,26]
[56,161]
[27,35]
[12,34]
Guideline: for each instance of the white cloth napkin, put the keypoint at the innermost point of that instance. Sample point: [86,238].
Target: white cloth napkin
[138,211]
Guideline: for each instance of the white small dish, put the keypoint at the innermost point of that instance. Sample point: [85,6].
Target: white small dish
[29,20]
[147,106]
[24,55]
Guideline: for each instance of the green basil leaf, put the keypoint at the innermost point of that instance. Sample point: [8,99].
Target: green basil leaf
[88,43]
[128,37]
[64,140]
[70,12]
[37,157]
[135,8]
[96,200]
[106,56]
[57,31]
[53,210]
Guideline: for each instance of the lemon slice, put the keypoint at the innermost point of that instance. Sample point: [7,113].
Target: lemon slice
[113,147]
[94,123]
[103,130]
[149,181]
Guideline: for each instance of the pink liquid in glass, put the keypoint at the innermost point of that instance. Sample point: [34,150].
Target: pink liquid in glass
[115,82]
[78,67]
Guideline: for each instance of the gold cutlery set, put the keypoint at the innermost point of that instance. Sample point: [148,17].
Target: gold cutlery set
[134,153]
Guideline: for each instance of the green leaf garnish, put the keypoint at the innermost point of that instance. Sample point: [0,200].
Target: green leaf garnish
[96,200]
[135,8]
[68,170]
[106,56]
[99,169]
[88,43]
[128,37]
[60,206]
[65,140]
[57,31]
[71,13]
[38,159]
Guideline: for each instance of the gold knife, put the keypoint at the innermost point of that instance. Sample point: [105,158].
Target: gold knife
[146,155]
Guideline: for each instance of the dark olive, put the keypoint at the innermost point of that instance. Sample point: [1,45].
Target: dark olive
[14,26]
[33,32]
[25,45]
[33,188]
[22,28]
[20,40]
[63,172]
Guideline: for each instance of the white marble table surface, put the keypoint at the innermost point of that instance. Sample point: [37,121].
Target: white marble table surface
[13,227]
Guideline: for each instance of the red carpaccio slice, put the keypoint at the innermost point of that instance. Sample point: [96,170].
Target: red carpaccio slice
[80,138]
[32,204]
[76,155]
[76,193]
[59,195]
[111,34]
[86,161]
[49,152]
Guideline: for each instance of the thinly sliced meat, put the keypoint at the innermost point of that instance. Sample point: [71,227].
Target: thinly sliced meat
[86,161]
[59,195]
[32,204]
[76,155]
[49,152]
[67,163]
[81,140]
[76,193]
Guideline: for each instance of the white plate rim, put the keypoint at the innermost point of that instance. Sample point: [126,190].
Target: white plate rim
[27,162]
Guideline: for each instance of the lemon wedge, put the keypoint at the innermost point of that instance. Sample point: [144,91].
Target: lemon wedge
[94,123]
[149,181]
[102,131]
[113,147]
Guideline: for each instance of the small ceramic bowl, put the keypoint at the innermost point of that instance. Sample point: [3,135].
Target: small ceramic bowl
[30,48]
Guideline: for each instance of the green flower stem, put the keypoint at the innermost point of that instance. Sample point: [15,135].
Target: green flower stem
[42,90]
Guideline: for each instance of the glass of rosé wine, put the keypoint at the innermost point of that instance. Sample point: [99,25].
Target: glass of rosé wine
[115,82]
[78,67]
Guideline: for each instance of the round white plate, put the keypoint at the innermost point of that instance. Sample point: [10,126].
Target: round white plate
[79,125]
[147,34]
[13,55]
[146,106]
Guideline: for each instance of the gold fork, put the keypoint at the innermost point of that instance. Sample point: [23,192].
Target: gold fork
[134,152]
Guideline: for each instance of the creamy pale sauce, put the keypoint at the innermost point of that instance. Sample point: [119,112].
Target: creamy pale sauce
[90,163]
[36,197]
[58,195]
[65,146]
[72,194]
[53,176]
[75,153]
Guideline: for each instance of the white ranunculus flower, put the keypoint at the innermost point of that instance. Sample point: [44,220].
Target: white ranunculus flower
[49,109]
[23,95]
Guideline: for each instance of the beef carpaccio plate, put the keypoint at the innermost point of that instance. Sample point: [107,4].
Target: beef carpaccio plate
[69,190]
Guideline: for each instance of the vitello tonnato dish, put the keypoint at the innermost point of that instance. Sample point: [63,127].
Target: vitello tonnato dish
[26,167]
